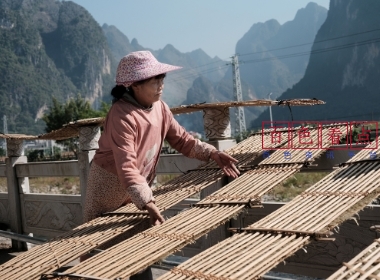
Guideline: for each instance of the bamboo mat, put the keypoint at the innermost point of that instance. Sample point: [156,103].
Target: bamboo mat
[260,102]
[60,251]
[251,186]
[243,256]
[178,189]
[156,243]
[71,129]
[319,209]
[147,247]
[366,265]
[247,189]
[364,154]
[125,219]
[170,194]
[17,136]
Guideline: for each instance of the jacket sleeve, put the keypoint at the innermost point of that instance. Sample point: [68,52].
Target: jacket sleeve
[122,141]
[185,143]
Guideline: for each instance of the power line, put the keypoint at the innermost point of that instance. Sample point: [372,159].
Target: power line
[360,43]
[198,73]
[180,71]
[315,42]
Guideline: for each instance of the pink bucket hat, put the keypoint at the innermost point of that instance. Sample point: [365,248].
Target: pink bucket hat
[138,66]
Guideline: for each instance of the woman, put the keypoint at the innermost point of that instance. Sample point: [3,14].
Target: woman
[134,130]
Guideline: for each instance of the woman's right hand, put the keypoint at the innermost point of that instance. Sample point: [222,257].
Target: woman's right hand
[154,213]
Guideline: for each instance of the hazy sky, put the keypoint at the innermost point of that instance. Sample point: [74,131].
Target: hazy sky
[212,25]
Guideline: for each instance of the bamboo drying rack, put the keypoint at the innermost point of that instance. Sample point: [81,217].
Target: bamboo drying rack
[252,185]
[318,210]
[58,252]
[364,266]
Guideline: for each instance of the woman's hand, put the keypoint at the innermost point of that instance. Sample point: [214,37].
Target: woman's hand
[155,215]
[226,163]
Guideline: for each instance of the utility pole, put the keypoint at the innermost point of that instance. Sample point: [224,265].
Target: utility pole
[238,96]
[5,131]
[270,110]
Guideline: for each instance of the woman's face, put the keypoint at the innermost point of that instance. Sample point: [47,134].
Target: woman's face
[149,92]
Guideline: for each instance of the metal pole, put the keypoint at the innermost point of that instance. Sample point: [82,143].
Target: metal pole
[5,131]
[270,110]
[21,237]
[238,96]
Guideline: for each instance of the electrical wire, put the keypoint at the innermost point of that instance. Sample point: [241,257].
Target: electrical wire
[199,73]
[315,42]
[282,48]
[178,73]
[340,47]
[292,55]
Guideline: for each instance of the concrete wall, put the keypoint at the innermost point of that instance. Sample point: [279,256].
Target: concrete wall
[49,215]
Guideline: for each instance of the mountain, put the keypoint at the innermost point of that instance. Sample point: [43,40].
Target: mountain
[48,49]
[266,51]
[51,48]
[267,61]
[202,89]
[119,43]
[179,82]
[195,64]
[344,67]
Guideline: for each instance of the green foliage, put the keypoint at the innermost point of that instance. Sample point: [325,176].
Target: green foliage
[35,155]
[293,186]
[241,136]
[77,45]
[74,109]
[56,153]
[27,77]
[104,108]
[48,49]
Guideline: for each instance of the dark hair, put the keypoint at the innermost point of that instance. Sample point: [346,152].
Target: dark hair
[118,91]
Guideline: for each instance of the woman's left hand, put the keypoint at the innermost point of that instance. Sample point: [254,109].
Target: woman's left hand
[226,163]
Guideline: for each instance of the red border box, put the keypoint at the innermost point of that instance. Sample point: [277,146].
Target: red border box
[274,125]
[297,126]
[325,124]
[364,123]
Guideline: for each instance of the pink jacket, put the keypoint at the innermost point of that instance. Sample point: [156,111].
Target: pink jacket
[131,142]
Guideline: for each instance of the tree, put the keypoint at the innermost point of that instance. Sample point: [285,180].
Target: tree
[242,136]
[75,109]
